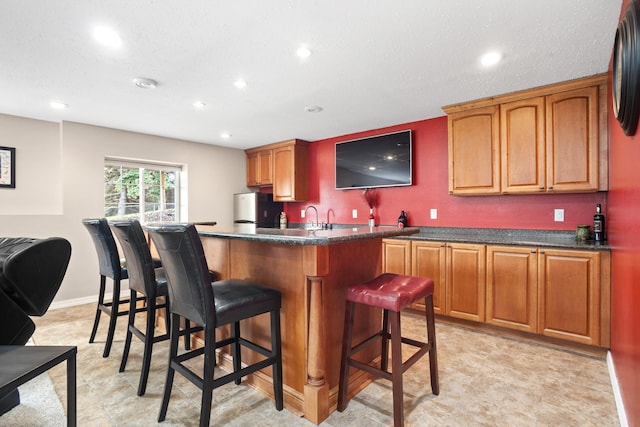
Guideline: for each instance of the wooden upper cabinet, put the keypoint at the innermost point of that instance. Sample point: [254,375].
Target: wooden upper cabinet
[522,154]
[259,167]
[474,143]
[550,139]
[282,165]
[572,140]
[290,172]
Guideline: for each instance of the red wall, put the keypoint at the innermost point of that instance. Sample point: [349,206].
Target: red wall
[624,229]
[430,190]
[621,206]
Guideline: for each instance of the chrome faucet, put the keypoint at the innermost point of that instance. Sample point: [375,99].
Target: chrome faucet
[316,225]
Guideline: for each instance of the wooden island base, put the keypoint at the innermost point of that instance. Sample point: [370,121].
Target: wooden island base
[312,280]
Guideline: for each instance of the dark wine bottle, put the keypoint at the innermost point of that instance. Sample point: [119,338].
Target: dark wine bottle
[598,225]
[402,219]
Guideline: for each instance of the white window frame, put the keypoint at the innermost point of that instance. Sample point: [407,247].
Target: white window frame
[141,165]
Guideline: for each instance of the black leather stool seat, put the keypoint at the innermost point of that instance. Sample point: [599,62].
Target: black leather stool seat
[240,299]
[391,293]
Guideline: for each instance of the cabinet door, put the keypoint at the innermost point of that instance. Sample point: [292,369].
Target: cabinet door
[259,168]
[572,140]
[569,295]
[474,159]
[428,259]
[396,256]
[522,146]
[466,277]
[253,167]
[265,167]
[512,287]
[290,174]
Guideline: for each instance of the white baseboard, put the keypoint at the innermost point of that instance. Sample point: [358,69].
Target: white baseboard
[622,415]
[84,300]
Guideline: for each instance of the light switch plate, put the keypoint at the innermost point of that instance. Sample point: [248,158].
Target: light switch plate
[354,213]
[558,215]
[303,213]
[433,214]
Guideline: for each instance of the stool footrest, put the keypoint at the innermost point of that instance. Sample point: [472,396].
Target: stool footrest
[356,348]
[422,346]
[369,369]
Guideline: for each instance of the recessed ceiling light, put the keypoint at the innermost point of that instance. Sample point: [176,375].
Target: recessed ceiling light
[313,109]
[303,52]
[491,58]
[58,105]
[199,105]
[144,83]
[225,135]
[107,36]
[240,83]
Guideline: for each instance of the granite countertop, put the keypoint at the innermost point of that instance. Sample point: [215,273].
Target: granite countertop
[546,238]
[301,236]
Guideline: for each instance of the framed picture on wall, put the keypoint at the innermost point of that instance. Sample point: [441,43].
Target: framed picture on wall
[7,167]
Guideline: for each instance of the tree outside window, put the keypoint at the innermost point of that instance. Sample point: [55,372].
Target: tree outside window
[148,193]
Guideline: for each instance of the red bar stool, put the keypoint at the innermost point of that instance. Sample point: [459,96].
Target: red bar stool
[391,293]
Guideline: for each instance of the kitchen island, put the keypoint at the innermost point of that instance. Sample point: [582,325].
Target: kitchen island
[311,268]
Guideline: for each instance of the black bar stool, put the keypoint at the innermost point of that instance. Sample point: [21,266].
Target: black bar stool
[211,305]
[147,281]
[109,265]
[391,293]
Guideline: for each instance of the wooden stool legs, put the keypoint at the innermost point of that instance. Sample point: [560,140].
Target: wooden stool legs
[390,331]
[431,336]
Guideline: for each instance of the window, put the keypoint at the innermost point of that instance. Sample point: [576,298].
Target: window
[144,191]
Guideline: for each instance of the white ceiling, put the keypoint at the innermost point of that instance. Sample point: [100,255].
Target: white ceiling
[374,63]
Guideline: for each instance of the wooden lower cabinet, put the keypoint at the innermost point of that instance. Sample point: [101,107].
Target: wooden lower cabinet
[571,296]
[557,293]
[396,256]
[428,259]
[512,287]
[418,258]
[465,285]
[457,269]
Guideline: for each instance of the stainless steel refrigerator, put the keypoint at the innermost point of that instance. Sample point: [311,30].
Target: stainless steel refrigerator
[256,208]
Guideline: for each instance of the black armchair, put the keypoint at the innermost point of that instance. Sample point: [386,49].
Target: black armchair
[31,272]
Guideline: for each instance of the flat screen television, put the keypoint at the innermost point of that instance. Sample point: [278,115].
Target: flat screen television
[376,161]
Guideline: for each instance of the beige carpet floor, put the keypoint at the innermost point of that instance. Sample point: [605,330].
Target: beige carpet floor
[485,380]
[39,406]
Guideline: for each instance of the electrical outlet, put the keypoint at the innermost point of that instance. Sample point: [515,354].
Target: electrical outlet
[354,213]
[558,215]
[433,214]
[303,213]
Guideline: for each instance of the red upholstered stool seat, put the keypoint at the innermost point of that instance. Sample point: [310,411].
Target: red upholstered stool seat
[391,293]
